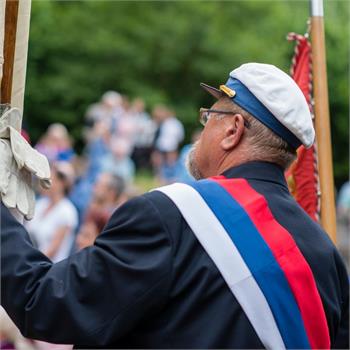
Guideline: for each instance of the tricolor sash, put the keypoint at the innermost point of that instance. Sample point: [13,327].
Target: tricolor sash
[258,259]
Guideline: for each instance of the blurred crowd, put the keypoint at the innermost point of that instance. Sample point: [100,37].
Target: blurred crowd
[121,138]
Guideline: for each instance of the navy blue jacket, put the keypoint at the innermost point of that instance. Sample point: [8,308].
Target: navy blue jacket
[147,282]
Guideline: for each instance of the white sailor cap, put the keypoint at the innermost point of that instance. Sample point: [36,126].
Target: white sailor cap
[272,97]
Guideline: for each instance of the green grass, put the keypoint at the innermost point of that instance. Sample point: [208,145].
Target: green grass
[145,180]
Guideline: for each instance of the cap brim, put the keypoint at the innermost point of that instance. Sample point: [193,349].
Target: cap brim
[212,91]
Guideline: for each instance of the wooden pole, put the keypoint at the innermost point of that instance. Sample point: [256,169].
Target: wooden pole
[11,14]
[322,121]
[21,54]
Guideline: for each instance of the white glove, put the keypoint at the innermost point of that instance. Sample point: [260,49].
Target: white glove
[19,162]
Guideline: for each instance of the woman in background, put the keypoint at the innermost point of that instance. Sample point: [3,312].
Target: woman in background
[56,219]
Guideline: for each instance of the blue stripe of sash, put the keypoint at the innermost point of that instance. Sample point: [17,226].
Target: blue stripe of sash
[259,260]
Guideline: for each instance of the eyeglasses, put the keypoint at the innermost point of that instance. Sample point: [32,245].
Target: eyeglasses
[205,115]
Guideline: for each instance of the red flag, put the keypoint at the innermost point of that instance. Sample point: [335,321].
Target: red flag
[302,176]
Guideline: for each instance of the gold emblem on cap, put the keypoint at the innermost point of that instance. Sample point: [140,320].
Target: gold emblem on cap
[229,92]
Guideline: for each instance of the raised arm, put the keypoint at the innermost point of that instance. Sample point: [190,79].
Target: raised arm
[97,294]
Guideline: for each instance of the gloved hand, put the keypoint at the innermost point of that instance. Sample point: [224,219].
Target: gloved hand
[19,162]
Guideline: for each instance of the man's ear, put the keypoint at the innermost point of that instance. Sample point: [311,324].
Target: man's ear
[234,129]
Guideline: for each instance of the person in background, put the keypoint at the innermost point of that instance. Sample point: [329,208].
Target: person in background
[118,160]
[126,127]
[90,229]
[145,130]
[108,194]
[169,135]
[97,148]
[56,144]
[108,108]
[52,228]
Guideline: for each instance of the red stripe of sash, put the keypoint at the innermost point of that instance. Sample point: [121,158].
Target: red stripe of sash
[288,256]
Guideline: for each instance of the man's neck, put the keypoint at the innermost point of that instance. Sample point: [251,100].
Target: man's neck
[233,159]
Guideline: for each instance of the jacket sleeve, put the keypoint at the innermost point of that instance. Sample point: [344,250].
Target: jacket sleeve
[342,327]
[98,294]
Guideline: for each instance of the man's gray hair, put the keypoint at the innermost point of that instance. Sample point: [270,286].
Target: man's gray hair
[265,145]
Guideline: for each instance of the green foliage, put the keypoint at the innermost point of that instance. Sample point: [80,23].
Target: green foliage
[162,50]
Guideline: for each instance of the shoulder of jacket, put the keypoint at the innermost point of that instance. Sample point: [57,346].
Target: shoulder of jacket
[159,201]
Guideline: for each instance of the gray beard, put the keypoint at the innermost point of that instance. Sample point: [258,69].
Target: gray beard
[191,165]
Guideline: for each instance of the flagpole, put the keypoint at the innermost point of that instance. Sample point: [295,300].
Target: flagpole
[21,53]
[11,15]
[322,120]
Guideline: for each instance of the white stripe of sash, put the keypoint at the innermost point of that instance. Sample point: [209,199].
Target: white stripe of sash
[219,246]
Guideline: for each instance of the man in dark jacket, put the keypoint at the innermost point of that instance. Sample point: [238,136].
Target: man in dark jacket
[152,280]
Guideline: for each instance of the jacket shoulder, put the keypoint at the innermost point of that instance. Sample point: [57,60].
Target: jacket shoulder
[163,205]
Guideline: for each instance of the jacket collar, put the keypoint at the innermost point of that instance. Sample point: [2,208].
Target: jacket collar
[258,170]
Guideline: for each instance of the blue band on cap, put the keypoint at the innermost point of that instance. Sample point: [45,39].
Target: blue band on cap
[245,99]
